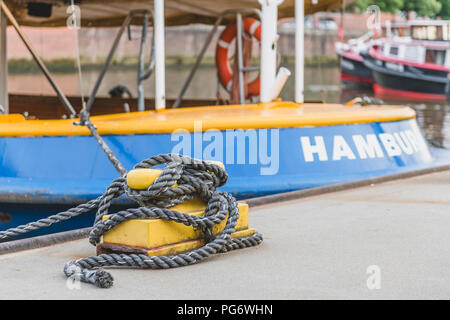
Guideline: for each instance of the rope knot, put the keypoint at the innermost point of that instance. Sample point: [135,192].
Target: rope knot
[181,179]
[208,235]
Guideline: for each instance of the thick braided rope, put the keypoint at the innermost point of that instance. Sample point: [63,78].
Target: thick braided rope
[47,222]
[192,177]
[113,192]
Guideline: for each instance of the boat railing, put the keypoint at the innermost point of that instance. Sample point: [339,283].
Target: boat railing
[67,105]
[268,65]
[241,68]
[143,73]
[364,38]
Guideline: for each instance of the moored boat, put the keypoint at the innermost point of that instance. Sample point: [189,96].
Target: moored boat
[410,70]
[414,67]
[267,145]
[353,70]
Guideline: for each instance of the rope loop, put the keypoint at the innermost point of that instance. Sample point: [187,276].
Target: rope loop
[182,179]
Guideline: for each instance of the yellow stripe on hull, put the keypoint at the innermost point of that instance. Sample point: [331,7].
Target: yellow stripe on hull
[252,116]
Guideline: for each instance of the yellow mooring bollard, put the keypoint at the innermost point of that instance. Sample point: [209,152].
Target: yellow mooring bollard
[157,237]
[167,230]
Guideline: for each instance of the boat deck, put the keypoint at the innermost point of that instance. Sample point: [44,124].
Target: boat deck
[318,247]
[194,119]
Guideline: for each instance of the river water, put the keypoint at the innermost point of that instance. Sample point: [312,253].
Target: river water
[321,84]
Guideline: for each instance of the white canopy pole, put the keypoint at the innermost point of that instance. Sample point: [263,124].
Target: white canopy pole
[160,64]
[388,29]
[299,51]
[269,37]
[4,105]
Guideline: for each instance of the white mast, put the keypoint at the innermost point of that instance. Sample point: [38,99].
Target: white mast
[299,50]
[160,64]
[4,105]
[269,37]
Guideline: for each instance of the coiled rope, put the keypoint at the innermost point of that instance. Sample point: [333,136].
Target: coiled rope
[181,179]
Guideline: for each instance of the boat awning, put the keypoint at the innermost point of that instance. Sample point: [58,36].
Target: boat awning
[109,13]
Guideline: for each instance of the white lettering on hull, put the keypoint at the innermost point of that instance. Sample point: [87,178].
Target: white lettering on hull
[369,146]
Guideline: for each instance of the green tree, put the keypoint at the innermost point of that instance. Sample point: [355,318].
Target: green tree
[385,5]
[428,8]
[445,10]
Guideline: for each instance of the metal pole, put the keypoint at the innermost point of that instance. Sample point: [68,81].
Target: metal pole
[268,47]
[240,58]
[160,64]
[38,60]
[388,29]
[197,63]
[141,104]
[4,103]
[108,62]
[299,51]
[205,47]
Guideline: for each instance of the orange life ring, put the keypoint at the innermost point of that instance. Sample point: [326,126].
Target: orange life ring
[252,27]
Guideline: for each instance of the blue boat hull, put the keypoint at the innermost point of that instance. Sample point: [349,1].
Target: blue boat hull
[40,176]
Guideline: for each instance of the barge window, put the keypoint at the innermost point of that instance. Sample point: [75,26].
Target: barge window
[412,53]
[393,51]
[446,32]
[435,56]
[431,33]
[419,33]
[425,33]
